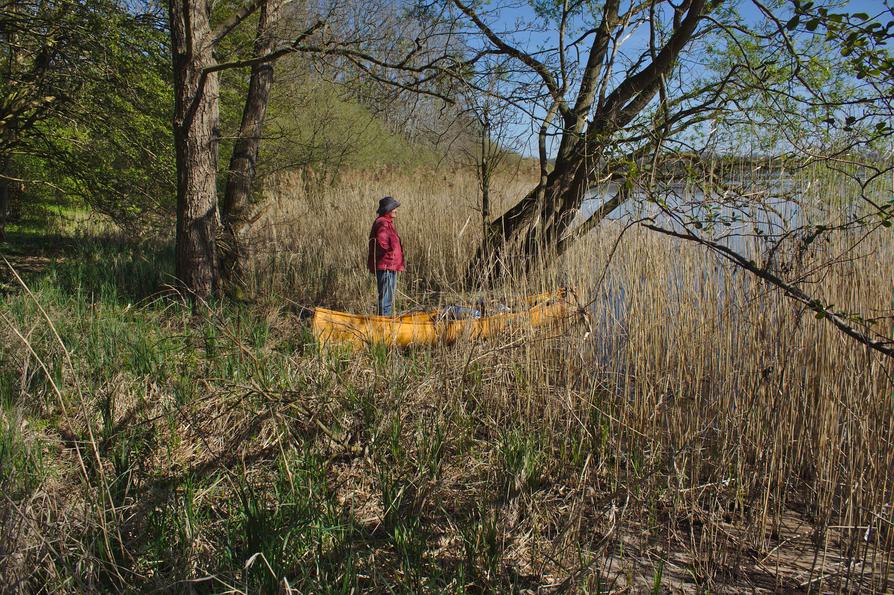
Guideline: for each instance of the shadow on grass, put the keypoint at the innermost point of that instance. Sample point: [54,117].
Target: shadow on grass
[111,269]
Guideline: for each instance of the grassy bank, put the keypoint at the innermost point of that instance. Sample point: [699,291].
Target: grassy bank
[696,432]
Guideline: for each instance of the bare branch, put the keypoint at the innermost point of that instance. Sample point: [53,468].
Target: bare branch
[883,346]
[596,217]
[644,81]
[587,92]
[245,11]
[293,47]
[523,57]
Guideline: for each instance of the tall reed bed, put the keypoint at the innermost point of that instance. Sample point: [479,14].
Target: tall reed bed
[310,242]
[691,428]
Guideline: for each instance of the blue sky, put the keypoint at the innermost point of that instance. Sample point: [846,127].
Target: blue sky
[521,11]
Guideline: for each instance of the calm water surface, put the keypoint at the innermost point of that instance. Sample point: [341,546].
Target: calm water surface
[750,226]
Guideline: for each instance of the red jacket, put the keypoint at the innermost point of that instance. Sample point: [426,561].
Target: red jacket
[385,250]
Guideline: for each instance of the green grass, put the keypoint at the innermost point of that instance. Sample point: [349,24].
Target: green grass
[228,453]
[144,376]
[21,460]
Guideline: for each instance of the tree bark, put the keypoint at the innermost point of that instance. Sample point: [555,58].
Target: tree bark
[4,207]
[530,231]
[196,136]
[8,139]
[237,206]
[485,171]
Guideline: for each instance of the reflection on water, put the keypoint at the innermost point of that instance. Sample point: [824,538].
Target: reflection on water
[610,316]
[752,221]
[735,220]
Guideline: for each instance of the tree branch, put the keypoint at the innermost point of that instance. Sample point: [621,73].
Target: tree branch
[245,11]
[587,92]
[598,215]
[293,47]
[523,57]
[660,66]
[885,347]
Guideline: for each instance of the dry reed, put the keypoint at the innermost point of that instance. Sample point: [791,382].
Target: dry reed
[700,431]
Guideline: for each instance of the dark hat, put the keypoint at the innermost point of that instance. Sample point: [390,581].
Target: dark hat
[386,205]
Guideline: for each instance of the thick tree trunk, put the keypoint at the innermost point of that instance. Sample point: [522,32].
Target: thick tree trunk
[196,137]
[237,206]
[530,232]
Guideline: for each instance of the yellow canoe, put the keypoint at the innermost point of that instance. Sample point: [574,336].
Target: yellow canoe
[429,328]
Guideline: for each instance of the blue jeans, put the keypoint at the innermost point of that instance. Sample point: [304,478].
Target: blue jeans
[385,283]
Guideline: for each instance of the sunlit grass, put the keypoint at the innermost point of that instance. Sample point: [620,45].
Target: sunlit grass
[697,430]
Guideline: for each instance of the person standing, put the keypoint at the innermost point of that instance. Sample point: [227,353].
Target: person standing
[386,255]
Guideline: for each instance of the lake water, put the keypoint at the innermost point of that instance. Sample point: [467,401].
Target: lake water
[751,224]
[732,221]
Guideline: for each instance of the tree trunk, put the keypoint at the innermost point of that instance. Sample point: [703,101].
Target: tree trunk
[485,202]
[530,232]
[196,137]
[237,207]
[11,189]
[485,171]
[9,131]
[4,207]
